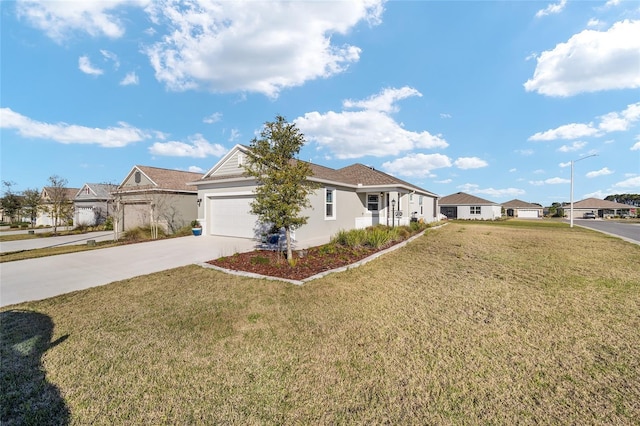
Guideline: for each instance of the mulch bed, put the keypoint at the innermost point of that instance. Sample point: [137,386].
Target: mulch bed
[308,262]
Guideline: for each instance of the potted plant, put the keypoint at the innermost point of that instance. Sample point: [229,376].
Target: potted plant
[196,228]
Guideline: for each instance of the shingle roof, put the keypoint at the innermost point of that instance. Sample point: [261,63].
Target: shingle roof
[519,204]
[596,203]
[70,193]
[168,179]
[102,191]
[461,199]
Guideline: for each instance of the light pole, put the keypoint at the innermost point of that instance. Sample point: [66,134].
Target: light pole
[571,210]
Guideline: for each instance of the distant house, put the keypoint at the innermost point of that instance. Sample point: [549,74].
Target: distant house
[466,206]
[601,208]
[48,195]
[522,209]
[152,194]
[93,204]
[352,197]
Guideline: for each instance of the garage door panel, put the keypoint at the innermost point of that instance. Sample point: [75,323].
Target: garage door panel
[527,214]
[231,217]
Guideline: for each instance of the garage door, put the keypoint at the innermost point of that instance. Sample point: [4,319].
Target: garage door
[135,215]
[231,217]
[528,214]
[86,216]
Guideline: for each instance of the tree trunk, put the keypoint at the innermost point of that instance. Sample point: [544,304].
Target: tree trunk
[287,233]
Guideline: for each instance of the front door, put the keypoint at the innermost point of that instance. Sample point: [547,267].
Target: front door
[373,206]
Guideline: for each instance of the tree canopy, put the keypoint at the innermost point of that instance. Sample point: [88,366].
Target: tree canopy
[283,185]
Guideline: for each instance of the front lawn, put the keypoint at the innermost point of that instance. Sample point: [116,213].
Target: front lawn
[467,324]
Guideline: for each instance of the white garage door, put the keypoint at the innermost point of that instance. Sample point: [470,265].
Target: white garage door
[528,214]
[86,216]
[232,217]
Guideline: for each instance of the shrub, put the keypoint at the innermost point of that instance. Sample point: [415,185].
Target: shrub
[378,236]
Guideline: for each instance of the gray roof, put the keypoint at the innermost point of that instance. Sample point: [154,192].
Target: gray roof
[165,179]
[519,204]
[97,191]
[463,199]
[596,203]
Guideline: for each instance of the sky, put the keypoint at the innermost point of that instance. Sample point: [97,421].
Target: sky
[492,98]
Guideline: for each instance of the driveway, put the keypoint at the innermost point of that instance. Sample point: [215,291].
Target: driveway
[45,242]
[628,231]
[35,279]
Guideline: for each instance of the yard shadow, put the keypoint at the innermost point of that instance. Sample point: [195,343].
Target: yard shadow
[25,395]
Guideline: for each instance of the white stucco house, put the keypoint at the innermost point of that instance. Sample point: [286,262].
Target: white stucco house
[600,208]
[93,204]
[522,209]
[466,206]
[355,196]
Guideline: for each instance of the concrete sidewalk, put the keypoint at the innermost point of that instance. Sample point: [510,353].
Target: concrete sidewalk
[46,242]
[36,279]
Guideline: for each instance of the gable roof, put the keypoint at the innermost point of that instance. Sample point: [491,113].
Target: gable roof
[356,175]
[596,203]
[163,179]
[70,193]
[461,199]
[101,191]
[519,204]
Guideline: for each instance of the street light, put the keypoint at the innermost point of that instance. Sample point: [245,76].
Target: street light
[571,211]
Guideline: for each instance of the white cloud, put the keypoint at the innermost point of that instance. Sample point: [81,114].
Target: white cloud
[198,147]
[594,22]
[513,170]
[472,188]
[196,169]
[602,172]
[610,122]
[470,163]
[567,131]
[618,122]
[84,64]
[538,172]
[524,152]
[636,146]
[59,19]
[552,8]
[110,137]
[590,61]
[213,118]
[550,181]
[416,165]
[385,101]
[630,183]
[611,3]
[235,134]
[130,79]
[261,47]
[111,57]
[567,164]
[444,181]
[445,115]
[353,134]
[576,146]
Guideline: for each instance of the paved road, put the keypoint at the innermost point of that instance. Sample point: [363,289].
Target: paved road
[628,231]
[45,242]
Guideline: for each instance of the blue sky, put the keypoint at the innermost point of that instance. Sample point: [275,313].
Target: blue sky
[490,98]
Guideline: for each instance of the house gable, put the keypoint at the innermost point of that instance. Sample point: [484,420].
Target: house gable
[463,199]
[150,178]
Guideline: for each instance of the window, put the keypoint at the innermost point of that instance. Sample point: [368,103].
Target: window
[330,204]
[420,200]
[373,203]
[240,159]
[475,209]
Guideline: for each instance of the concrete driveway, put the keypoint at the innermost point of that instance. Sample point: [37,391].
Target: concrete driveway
[45,242]
[36,279]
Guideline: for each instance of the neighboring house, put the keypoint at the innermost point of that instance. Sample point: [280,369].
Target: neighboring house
[601,208]
[45,217]
[356,196]
[151,194]
[522,209]
[466,206]
[93,204]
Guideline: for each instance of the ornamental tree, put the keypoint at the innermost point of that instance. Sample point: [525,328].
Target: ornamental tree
[283,185]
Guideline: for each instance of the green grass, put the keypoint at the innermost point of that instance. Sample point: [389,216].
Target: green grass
[469,324]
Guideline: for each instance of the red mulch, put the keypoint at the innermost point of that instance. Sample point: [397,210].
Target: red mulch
[307,262]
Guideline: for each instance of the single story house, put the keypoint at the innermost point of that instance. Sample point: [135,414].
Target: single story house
[93,204]
[48,195]
[467,206]
[355,196]
[152,194]
[522,209]
[601,208]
